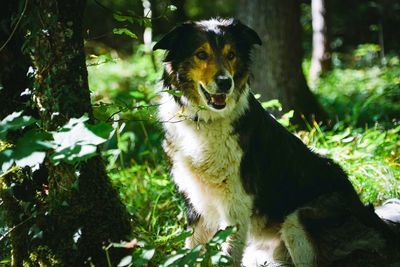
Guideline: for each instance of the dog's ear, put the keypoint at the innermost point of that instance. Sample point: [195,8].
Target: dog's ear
[249,35]
[174,37]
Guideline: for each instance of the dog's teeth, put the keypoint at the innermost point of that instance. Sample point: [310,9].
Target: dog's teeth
[218,99]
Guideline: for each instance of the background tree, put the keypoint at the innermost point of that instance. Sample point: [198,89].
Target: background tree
[14,66]
[277,63]
[321,61]
[361,93]
[63,214]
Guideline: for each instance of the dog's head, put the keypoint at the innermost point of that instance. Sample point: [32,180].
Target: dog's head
[208,61]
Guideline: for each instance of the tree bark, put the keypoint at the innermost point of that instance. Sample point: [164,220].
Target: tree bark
[80,210]
[277,67]
[14,66]
[321,61]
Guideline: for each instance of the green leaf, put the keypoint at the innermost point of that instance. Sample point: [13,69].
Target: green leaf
[125,261]
[101,129]
[172,8]
[29,150]
[78,140]
[144,257]
[173,260]
[147,254]
[31,160]
[181,236]
[184,257]
[222,235]
[272,104]
[33,140]
[285,119]
[122,18]
[15,121]
[125,31]
[174,92]
[219,258]
[5,159]
[137,94]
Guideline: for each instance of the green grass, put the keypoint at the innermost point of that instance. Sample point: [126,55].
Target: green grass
[361,89]
[370,156]
[157,210]
[365,142]
[363,98]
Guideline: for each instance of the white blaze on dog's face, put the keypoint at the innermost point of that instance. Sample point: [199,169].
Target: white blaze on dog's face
[213,71]
[208,61]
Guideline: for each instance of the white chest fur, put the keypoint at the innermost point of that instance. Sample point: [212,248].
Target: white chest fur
[207,169]
[206,160]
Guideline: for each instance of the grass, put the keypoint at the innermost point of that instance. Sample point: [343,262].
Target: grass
[371,157]
[361,89]
[365,141]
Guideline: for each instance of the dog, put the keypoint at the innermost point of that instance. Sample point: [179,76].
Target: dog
[236,165]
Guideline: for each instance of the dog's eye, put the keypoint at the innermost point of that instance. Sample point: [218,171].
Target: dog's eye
[230,56]
[202,55]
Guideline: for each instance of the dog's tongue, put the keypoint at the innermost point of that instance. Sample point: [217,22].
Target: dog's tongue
[218,99]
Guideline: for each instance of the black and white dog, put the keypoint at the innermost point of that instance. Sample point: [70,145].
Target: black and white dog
[236,165]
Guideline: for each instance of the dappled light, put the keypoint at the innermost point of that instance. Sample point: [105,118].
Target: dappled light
[91,173]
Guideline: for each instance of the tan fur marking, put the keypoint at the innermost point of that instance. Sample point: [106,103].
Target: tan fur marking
[204,70]
[230,64]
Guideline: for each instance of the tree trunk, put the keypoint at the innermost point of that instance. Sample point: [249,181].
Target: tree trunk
[80,211]
[277,66]
[321,61]
[14,66]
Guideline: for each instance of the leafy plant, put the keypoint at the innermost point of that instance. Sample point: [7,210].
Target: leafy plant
[77,140]
[208,255]
[362,95]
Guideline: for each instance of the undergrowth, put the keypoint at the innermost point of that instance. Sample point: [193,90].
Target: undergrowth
[364,141]
[363,99]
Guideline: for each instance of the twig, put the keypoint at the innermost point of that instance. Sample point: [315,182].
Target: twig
[15,27]
[162,15]
[14,227]
[128,108]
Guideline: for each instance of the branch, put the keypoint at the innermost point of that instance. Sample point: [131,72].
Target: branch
[14,227]
[15,27]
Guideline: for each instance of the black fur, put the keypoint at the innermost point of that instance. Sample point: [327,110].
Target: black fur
[183,40]
[279,169]
[192,217]
[281,172]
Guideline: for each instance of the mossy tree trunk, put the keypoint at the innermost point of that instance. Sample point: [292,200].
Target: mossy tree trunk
[14,66]
[77,211]
[277,67]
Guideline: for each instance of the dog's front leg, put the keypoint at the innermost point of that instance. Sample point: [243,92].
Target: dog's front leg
[298,241]
[203,229]
[202,233]
[235,244]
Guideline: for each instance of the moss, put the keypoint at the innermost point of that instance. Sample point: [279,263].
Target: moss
[79,211]
[15,217]
[42,256]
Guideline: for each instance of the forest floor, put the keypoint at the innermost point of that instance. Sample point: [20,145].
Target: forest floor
[361,94]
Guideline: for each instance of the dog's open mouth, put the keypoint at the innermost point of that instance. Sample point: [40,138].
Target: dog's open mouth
[217,101]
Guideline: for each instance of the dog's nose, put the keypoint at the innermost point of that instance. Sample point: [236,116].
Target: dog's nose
[224,83]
